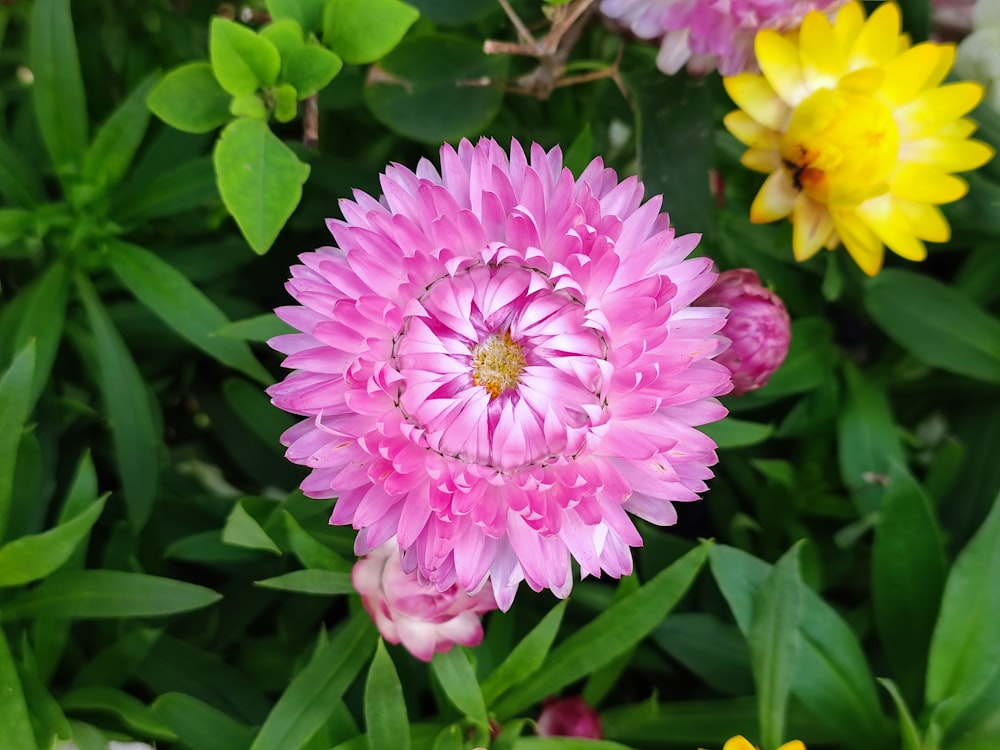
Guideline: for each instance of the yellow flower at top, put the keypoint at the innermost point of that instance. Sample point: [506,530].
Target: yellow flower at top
[742,743]
[857,135]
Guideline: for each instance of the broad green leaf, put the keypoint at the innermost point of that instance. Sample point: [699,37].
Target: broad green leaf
[774,644]
[385,706]
[260,180]
[110,155]
[965,650]
[242,60]
[418,89]
[908,572]
[98,594]
[715,651]
[310,581]
[132,712]
[60,105]
[455,675]
[243,530]
[310,68]
[526,657]
[123,390]
[308,701]
[308,13]
[908,732]
[361,33]
[20,180]
[40,701]
[189,98]
[208,548]
[182,306]
[199,725]
[15,398]
[189,186]
[286,35]
[29,558]
[935,323]
[311,552]
[737,433]
[611,633]
[15,723]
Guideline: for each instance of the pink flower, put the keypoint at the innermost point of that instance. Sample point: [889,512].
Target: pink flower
[569,717]
[709,34]
[758,327]
[416,614]
[497,364]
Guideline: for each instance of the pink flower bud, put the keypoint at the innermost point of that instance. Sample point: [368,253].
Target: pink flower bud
[569,717]
[408,611]
[758,327]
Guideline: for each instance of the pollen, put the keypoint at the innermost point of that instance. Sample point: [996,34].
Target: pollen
[497,363]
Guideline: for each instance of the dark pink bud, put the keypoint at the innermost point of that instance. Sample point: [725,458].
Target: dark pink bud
[569,717]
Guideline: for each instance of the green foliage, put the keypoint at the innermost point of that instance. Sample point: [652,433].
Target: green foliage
[364,32]
[190,98]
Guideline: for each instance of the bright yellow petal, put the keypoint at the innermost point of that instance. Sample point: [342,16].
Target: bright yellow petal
[738,743]
[821,56]
[793,745]
[762,160]
[753,94]
[875,45]
[934,108]
[944,64]
[947,154]
[926,220]
[812,226]
[924,184]
[775,200]
[863,81]
[960,128]
[892,227]
[860,242]
[779,62]
[749,132]
[848,24]
[906,75]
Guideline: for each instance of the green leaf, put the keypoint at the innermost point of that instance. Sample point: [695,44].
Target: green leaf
[737,433]
[199,725]
[308,13]
[308,701]
[98,594]
[260,180]
[189,186]
[455,675]
[189,98]
[611,633]
[254,409]
[285,107]
[15,399]
[60,105]
[286,35]
[182,306]
[310,68]
[965,651]
[774,644]
[310,581]
[699,722]
[258,328]
[133,426]
[15,723]
[811,358]
[908,733]
[935,324]
[29,558]
[20,180]
[110,155]
[242,60]
[132,712]
[243,530]
[713,650]
[311,552]
[418,89]
[385,706]
[361,33]
[908,573]
[526,657]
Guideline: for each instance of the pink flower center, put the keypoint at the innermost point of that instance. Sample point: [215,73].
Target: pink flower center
[497,363]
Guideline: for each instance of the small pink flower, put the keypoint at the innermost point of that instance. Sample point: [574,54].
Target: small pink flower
[758,327]
[416,614]
[569,717]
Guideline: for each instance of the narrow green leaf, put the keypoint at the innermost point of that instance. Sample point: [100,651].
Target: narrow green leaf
[737,433]
[935,323]
[29,558]
[199,725]
[252,406]
[110,155]
[15,397]
[20,180]
[243,530]
[41,704]
[98,594]
[774,644]
[310,68]
[82,490]
[908,733]
[182,306]
[132,712]
[260,180]
[133,427]
[361,33]
[189,186]
[385,707]
[15,723]
[611,633]
[310,581]
[308,701]
[60,105]
[965,649]
[908,573]
[526,657]
[242,60]
[190,99]
[454,673]
[713,650]
[311,552]
[258,328]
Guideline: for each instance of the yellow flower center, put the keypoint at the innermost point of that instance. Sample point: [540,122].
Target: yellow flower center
[841,146]
[497,363]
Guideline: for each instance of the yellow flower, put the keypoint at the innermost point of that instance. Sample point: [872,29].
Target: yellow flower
[856,134]
[742,743]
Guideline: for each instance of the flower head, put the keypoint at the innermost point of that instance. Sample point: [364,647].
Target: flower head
[497,364]
[742,743]
[856,134]
[709,34]
[569,717]
[413,613]
[758,327]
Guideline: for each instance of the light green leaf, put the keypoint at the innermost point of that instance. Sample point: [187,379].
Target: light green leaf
[260,180]
[182,306]
[243,530]
[199,725]
[189,98]
[258,328]
[15,723]
[385,706]
[310,68]
[454,673]
[242,60]
[15,397]
[361,33]
[526,657]
[310,581]
[98,594]
[308,13]
[908,733]
[737,433]
[110,155]
[286,35]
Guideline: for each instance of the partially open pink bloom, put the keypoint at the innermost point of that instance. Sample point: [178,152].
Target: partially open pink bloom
[709,34]
[569,717]
[416,614]
[758,327]
[499,362]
